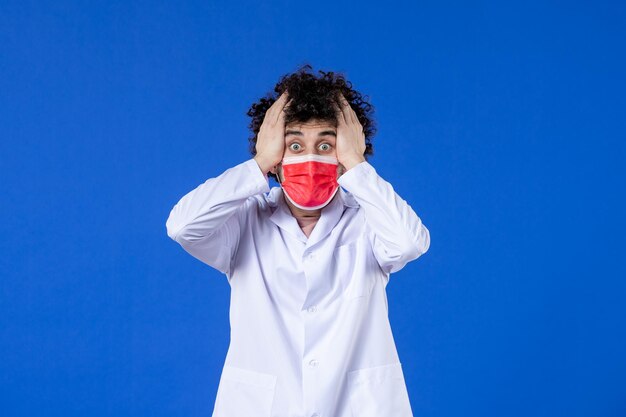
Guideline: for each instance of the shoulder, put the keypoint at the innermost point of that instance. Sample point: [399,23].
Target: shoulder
[266,202]
[348,199]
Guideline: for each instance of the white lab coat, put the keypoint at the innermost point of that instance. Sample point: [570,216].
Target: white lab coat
[310,334]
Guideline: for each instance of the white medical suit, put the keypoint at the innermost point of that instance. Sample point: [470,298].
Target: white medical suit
[310,334]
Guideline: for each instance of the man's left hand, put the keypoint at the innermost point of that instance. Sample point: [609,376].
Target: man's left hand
[350,137]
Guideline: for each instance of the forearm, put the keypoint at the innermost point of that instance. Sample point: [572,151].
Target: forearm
[399,235]
[205,209]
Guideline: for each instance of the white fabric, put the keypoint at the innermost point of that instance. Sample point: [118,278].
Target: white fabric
[310,334]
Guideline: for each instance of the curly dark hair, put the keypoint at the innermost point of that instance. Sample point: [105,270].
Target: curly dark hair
[312,98]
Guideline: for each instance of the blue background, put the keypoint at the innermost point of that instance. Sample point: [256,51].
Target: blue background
[501,123]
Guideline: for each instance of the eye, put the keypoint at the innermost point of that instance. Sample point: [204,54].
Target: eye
[295,147]
[324,147]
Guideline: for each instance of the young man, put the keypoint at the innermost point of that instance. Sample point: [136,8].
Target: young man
[307,262]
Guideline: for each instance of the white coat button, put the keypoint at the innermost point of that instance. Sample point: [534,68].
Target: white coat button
[311,255]
[315,415]
[313,362]
[311,309]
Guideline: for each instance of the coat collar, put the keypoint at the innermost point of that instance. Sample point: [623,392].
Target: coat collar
[331,214]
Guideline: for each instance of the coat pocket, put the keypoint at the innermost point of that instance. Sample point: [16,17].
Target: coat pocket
[348,267]
[379,391]
[244,392]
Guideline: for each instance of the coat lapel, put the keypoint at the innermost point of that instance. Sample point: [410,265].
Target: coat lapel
[331,214]
[282,216]
[329,218]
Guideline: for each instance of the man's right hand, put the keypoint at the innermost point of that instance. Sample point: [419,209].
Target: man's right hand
[270,145]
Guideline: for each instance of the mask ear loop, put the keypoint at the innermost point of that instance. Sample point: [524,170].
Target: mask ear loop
[279,169]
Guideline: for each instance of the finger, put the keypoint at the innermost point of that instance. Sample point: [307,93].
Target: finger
[345,108]
[340,116]
[277,108]
[349,110]
[281,115]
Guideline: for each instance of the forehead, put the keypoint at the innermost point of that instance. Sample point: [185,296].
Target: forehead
[313,124]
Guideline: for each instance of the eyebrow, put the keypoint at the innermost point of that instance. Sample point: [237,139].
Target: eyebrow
[322,133]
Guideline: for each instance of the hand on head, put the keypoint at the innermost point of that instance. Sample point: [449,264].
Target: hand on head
[350,137]
[270,145]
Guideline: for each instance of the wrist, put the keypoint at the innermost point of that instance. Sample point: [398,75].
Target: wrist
[352,161]
[263,163]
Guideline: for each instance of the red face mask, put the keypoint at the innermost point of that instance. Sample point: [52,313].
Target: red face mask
[310,181]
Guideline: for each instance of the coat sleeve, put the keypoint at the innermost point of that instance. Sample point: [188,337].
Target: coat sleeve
[206,222]
[396,233]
